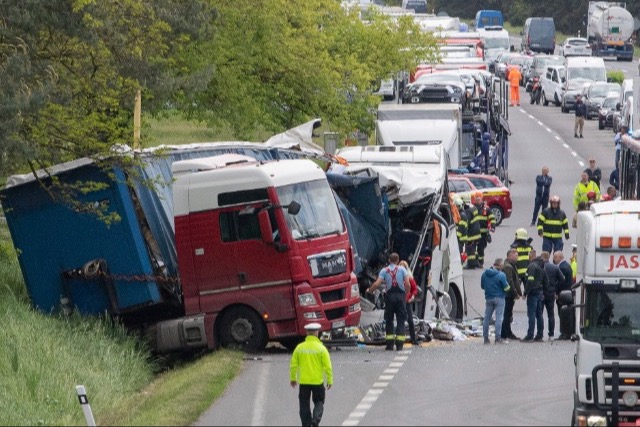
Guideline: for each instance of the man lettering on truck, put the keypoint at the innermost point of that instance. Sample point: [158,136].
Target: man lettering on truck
[396,280]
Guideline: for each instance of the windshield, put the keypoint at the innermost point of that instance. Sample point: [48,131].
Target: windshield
[496,43]
[602,91]
[610,102]
[577,42]
[611,316]
[548,62]
[318,216]
[592,73]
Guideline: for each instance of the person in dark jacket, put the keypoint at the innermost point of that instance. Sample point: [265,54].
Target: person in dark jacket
[594,172]
[522,244]
[567,317]
[463,225]
[552,224]
[494,283]
[614,177]
[485,219]
[555,279]
[473,235]
[533,290]
[543,188]
[581,113]
[510,270]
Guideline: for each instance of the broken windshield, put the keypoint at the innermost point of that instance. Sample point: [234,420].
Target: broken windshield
[318,216]
[611,316]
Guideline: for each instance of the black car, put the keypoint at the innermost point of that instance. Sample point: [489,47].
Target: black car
[606,112]
[595,94]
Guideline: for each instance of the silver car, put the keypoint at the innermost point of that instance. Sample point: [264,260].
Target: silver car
[574,87]
[576,46]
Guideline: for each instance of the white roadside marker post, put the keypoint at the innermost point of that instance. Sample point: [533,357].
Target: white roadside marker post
[86,408]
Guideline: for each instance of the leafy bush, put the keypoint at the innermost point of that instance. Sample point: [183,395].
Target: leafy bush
[615,76]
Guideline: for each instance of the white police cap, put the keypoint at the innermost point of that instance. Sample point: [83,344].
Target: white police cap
[313,326]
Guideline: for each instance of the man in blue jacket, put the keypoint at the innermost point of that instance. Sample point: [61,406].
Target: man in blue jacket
[494,283]
[543,187]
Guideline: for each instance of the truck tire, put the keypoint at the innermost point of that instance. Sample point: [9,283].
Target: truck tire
[241,328]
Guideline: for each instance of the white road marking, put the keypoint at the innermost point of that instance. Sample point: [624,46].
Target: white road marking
[581,163]
[260,398]
[548,130]
[557,137]
[574,154]
[531,117]
[565,145]
[374,393]
[540,123]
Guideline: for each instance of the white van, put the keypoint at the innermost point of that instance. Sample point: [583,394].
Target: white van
[586,67]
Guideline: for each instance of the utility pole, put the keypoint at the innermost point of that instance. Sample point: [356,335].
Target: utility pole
[137,112]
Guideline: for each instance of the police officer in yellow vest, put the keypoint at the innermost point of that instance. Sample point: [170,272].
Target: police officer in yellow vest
[310,366]
[396,280]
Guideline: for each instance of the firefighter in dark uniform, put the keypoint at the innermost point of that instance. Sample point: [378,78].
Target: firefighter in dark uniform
[552,224]
[396,280]
[473,235]
[486,219]
[462,225]
[522,244]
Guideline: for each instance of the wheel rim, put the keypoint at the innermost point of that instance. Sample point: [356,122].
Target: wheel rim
[447,304]
[241,330]
[497,214]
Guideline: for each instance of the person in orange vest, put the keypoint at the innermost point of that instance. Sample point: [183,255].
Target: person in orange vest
[514,81]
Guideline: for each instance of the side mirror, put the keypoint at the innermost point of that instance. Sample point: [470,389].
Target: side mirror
[293,208]
[266,232]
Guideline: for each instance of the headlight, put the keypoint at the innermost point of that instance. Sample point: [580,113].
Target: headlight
[307,300]
[355,290]
[597,420]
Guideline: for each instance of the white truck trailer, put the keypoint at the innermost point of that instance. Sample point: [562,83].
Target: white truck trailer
[609,30]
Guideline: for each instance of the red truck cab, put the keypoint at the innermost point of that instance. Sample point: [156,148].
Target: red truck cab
[262,250]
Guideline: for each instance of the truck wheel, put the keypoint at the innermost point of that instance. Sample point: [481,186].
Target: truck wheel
[497,213]
[451,302]
[243,329]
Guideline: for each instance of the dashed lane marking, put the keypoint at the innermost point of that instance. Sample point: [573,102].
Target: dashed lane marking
[376,389]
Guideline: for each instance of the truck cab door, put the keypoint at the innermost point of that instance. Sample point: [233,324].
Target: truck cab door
[259,269]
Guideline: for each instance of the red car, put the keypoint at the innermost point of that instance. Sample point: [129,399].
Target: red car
[494,192]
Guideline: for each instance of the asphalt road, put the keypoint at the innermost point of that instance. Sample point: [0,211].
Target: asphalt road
[451,383]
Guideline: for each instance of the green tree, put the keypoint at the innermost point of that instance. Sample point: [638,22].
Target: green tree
[280,63]
[70,69]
